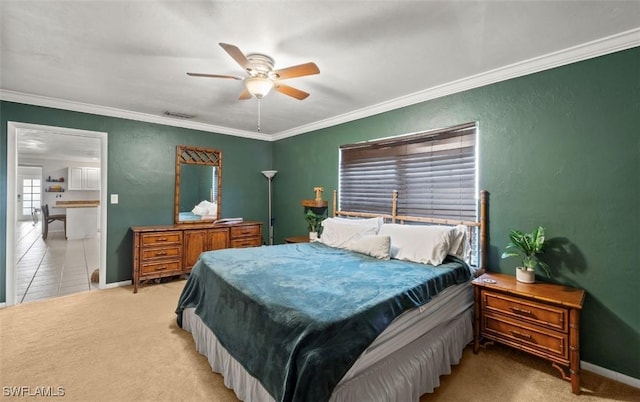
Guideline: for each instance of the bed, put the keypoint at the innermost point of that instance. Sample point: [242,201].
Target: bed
[323,322]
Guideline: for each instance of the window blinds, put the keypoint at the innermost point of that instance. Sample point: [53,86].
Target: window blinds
[434,173]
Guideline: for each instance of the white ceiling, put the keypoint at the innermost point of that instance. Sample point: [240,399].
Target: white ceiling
[129,59]
[37,145]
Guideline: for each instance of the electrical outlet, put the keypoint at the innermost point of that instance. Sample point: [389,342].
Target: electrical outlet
[114,198]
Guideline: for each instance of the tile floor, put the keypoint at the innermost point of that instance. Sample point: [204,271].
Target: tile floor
[52,267]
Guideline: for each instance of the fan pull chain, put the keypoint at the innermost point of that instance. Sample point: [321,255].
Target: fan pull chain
[258,114]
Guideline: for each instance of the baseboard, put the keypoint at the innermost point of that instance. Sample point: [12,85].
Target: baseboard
[117,284]
[613,375]
[3,305]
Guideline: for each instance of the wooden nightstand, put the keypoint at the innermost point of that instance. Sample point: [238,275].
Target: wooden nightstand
[539,318]
[297,239]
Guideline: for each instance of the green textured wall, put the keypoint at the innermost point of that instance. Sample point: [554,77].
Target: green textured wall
[141,160]
[560,148]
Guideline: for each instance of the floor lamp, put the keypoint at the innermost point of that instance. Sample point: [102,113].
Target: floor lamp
[269,175]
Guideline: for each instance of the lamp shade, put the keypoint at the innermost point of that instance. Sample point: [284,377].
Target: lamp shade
[258,86]
[269,173]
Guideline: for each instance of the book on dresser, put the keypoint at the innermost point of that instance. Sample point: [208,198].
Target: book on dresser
[539,318]
[172,250]
[227,221]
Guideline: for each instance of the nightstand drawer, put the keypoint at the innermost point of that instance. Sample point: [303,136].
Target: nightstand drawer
[525,336]
[245,231]
[246,242]
[150,254]
[526,310]
[161,267]
[161,238]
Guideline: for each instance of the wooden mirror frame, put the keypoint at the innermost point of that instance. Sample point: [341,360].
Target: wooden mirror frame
[189,155]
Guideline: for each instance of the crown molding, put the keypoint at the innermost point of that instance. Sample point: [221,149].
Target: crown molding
[599,47]
[611,44]
[37,100]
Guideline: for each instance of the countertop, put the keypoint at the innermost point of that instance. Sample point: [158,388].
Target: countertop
[78,204]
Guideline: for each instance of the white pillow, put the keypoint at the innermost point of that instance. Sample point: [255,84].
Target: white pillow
[459,242]
[340,233]
[419,243]
[372,245]
[377,221]
[206,208]
[198,210]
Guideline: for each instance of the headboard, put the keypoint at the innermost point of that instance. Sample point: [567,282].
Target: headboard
[479,226]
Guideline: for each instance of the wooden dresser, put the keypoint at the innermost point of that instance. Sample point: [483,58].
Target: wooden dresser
[170,250]
[539,318]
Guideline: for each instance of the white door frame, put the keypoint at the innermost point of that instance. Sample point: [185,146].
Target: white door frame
[12,173]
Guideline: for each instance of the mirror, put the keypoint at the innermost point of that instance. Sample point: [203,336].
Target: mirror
[198,185]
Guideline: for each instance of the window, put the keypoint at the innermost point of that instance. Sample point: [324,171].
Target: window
[434,173]
[31,196]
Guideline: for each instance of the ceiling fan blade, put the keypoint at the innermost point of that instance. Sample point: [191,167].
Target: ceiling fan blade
[237,55]
[214,76]
[297,71]
[291,91]
[245,95]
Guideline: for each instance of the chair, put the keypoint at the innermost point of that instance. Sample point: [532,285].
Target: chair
[47,219]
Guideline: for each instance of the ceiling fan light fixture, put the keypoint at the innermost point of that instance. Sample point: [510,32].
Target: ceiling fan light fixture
[258,86]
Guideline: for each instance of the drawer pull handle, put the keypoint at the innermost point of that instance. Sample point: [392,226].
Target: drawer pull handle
[162,239]
[520,310]
[160,268]
[161,253]
[518,334]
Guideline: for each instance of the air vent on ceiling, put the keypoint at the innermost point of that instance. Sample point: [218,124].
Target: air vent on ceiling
[178,115]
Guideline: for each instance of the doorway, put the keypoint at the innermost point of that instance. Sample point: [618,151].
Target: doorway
[19,227]
[29,194]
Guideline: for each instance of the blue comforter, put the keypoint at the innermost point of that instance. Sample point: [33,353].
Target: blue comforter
[297,316]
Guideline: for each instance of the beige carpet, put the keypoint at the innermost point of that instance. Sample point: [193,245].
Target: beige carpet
[112,345]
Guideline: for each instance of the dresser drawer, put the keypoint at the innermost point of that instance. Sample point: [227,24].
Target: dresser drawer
[246,242]
[245,231]
[530,311]
[522,335]
[161,238]
[161,267]
[150,254]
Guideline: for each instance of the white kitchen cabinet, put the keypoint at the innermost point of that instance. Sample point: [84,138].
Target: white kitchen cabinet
[82,218]
[92,178]
[75,178]
[84,178]
[82,223]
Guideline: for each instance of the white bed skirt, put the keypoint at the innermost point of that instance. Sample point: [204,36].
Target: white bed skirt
[403,376]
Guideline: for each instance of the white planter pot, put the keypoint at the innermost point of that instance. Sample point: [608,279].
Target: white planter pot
[313,236]
[525,276]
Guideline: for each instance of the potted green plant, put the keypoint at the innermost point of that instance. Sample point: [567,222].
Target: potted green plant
[527,246]
[314,220]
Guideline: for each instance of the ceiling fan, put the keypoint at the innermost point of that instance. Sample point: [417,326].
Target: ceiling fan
[262,77]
